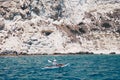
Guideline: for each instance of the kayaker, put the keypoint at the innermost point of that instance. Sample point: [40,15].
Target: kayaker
[54,62]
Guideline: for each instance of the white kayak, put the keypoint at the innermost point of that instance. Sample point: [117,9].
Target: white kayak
[56,66]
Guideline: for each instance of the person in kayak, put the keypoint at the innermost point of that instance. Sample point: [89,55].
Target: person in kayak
[54,62]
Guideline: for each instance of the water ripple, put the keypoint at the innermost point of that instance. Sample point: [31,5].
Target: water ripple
[82,67]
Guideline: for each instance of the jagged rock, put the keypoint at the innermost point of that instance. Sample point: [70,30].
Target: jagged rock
[112,53]
[2,24]
[9,52]
[60,26]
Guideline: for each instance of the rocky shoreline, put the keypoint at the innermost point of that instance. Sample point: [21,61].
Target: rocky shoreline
[59,26]
[78,53]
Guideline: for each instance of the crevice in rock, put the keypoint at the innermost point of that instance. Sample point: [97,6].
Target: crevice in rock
[46,32]
[106,25]
[82,30]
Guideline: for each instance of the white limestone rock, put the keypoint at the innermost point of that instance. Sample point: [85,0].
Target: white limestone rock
[60,26]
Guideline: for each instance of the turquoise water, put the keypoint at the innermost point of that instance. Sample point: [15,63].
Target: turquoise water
[82,67]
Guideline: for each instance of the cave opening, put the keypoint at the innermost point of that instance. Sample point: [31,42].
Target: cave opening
[81,23]
[106,25]
[46,33]
[82,30]
[118,31]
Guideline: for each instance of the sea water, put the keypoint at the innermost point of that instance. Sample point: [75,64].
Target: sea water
[81,67]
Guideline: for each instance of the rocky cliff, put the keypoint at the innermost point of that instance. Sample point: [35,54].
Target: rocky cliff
[59,26]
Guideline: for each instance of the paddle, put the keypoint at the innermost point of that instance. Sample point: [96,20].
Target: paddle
[49,61]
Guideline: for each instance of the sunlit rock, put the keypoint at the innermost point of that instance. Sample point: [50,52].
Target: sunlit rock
[59,26]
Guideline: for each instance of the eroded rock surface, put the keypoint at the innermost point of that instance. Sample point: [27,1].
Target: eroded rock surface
[59,26]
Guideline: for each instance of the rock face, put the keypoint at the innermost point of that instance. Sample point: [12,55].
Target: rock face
[59,26]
